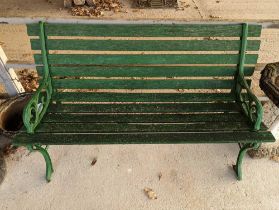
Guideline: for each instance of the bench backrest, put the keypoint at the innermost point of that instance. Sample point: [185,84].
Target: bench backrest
[132,59]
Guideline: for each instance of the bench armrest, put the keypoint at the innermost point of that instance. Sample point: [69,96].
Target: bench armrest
[248,102]
[38,104]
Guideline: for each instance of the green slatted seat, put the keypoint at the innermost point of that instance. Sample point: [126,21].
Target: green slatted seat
[143,84]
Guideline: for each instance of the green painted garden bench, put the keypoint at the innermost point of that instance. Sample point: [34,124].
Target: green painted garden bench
[143,84]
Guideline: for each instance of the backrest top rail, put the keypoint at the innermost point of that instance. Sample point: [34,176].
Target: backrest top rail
[145,30]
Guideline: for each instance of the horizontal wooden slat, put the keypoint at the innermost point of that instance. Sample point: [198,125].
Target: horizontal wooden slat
[112,59]
[143,138]
[146,45]
[145,71]
[141,127]
[141,84]
[144,108]
[141,97]
[144,118]
[145,30]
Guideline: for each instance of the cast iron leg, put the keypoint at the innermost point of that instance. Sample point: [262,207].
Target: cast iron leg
[43,151]
[242,152]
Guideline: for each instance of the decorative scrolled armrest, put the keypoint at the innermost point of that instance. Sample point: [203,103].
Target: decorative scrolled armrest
[249,103]
[37,106]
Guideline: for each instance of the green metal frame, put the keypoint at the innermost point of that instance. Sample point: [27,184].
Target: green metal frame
[37,106]
[243,149]
[43,151]
[249,103]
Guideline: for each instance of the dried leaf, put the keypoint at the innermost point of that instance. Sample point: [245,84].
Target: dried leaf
[275,158]
[150,193]
[160,175]
[93,161]
[96,8]
[28,79]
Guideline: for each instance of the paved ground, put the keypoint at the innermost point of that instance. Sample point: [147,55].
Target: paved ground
[226,10]
[193,177]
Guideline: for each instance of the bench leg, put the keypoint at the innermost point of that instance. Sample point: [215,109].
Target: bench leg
[43,151]
[242,152]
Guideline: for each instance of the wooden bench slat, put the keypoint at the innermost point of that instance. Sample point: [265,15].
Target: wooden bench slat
[141,84]
[142,127]
[145,71]
[144,118]
[105,59]
[144,108]
[145,30]
[146,45]
[144,138]
[141,97]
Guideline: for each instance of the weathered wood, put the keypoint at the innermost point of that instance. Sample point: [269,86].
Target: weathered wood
[116,59]
[144,138]
[146,45]
[143,118]
[145,71]
[145,30]
[144,108]
[142,84]
[143,127]
[142,97]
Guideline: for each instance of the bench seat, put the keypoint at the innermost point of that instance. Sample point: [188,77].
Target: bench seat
[144,124]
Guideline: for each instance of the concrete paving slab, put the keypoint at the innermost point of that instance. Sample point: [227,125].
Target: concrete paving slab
[193,177]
